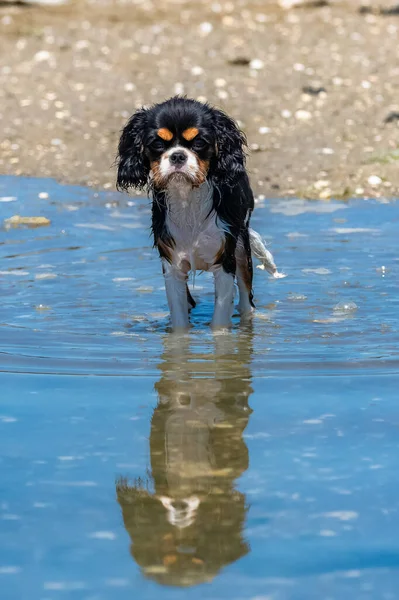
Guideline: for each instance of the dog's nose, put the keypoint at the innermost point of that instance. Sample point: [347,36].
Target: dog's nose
[178,158]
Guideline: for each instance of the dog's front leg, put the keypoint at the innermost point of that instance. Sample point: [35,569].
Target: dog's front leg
[224,298]
[176,293]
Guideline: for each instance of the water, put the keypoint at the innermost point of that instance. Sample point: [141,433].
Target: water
[256,465]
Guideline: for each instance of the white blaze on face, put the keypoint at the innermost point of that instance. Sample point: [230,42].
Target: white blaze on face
[189,168]
[183,515]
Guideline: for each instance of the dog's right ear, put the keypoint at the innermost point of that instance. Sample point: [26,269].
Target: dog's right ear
[133,166]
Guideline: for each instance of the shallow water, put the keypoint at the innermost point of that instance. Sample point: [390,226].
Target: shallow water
[256,465]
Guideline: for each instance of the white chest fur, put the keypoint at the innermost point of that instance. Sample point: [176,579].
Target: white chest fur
[194,226]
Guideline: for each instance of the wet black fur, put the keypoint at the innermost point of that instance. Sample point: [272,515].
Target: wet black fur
[220,142]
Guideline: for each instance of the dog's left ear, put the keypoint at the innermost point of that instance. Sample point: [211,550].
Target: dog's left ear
[133,166]
[229,163]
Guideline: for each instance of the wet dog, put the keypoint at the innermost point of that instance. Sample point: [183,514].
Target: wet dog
[186,516]
[191,157]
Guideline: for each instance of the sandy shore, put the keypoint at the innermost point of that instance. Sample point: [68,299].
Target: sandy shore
[316,88]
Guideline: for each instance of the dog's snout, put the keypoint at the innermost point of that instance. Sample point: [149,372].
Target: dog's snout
[178,158]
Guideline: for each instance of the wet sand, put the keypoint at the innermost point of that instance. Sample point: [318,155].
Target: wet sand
[312,87]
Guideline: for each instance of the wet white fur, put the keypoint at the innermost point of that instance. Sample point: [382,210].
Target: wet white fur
[184,515]
[198,235]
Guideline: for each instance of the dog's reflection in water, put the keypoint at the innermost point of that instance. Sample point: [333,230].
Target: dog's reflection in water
[186,520]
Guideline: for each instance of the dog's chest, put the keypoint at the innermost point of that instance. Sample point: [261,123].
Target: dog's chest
[197,232]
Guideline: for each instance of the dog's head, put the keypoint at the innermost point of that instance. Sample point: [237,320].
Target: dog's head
[180,140]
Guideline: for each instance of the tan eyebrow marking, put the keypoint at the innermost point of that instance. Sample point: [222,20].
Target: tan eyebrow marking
[190,133]
[165,134]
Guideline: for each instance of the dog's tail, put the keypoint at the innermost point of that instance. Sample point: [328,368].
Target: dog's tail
[265,257]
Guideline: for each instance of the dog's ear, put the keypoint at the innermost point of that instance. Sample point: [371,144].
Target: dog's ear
[229,162]
[133,166]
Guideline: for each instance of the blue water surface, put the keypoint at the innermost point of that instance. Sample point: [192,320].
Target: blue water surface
[258,465]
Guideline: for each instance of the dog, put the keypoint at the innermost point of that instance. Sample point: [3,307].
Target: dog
[186,517]
[191,158]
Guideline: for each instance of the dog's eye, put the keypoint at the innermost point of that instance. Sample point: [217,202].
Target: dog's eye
[199,144]
[157,146]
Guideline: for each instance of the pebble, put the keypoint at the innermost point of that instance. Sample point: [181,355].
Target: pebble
[374,180]
[256,148]
[46,2]
[263,130]
[239,61]
[256,64]
[286,114]
[42,55]
[43,195]
[197,70]
[220,82]
[325,194]
[205,28]
[321,184]
[178,89]
[17,221]
[303,115]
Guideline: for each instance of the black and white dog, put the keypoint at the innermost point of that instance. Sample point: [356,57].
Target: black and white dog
[191,157]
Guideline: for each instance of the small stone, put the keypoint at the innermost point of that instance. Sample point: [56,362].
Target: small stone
[46,2]
[325,194]
[42,55]
[205,28]
[197,70]
[303,115]
[393,117]
[179,89]
[239,61]
[286,114]
[263,130]
[256,64]
[220,82]
[43,195]
[327,151]
[257,148]
[18,221]
[311,90]
[374,180]
[321,184]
